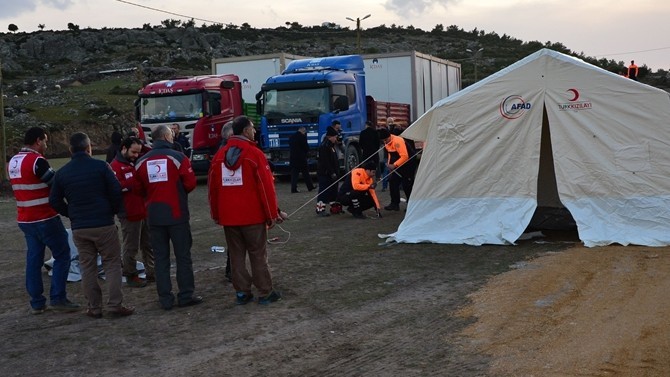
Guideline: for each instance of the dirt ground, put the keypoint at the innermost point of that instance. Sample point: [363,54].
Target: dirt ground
[354,308]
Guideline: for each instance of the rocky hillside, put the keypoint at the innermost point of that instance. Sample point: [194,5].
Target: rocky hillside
[86,79]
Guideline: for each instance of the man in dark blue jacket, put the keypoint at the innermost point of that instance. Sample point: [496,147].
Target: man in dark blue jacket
[87,191]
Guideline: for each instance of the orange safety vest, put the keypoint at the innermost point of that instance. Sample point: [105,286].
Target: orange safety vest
[397,151]
[361,181]
[32,195]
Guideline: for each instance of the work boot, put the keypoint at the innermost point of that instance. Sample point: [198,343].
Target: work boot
[392,207]
[135,281]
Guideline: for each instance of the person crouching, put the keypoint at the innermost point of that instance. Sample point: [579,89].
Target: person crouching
[358,192]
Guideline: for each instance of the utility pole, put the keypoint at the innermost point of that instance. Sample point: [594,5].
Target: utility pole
[475,57]
[358,29]
[3,157]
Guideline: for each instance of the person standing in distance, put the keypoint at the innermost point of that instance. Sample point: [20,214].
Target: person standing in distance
[86,191]
[132,216]
[327,169]
[240,171]
[166,178]
[632,70]
[298,149]
[31,176]
[369,141]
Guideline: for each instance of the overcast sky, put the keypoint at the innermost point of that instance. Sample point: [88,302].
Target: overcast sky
[614,29]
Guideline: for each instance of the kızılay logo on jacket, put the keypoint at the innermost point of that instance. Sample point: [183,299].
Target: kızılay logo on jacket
[513,107]
[573,102]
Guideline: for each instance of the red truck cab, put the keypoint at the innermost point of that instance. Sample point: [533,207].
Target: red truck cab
[200,105]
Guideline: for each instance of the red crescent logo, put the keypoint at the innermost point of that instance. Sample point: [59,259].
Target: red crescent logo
[158,169]
[15,164]
[575,93]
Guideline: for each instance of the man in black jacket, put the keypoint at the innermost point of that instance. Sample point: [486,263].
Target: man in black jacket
[87,191]
[369,140]
[326,172]
[298,159]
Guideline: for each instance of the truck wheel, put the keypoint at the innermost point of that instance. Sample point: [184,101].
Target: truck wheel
[352,157]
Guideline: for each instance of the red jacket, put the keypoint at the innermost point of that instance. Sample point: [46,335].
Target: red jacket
[30,191]
[133,201]
[241,187]
[166,177]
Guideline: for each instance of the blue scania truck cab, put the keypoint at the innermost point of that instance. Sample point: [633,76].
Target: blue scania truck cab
[313,93]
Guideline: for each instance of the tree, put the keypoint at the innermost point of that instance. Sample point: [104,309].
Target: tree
[41,27]
[13,28]
[438,28]
[73,27]
[170,24]
[188,24]
[246,26]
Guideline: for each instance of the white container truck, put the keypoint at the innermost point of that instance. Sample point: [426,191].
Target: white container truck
[253,70]
[412,78]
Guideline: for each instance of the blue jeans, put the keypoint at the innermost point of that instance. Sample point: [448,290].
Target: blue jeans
[39,235]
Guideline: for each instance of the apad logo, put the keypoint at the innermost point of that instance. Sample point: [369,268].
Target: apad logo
[513,107]
[246,84]
[573,102]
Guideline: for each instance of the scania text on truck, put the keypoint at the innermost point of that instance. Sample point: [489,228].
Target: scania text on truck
[200,105]
[314,92]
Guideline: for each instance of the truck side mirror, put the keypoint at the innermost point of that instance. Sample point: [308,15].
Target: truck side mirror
[227,84]
[259,103]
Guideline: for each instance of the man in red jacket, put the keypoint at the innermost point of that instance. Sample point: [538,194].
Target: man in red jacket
[134,229]
[242,199]
[166,177]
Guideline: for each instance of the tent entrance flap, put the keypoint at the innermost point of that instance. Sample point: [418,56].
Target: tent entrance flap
[550,212]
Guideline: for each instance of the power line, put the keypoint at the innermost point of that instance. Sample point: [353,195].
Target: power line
[330,31]
[172,13]
[634,52]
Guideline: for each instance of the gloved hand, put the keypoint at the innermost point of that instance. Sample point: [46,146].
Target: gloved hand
[373,185]
[379,213]
[333,176]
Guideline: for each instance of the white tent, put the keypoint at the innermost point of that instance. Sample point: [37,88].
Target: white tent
[550,130]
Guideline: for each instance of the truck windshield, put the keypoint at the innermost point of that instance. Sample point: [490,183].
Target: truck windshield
[171,108]
[296,102]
